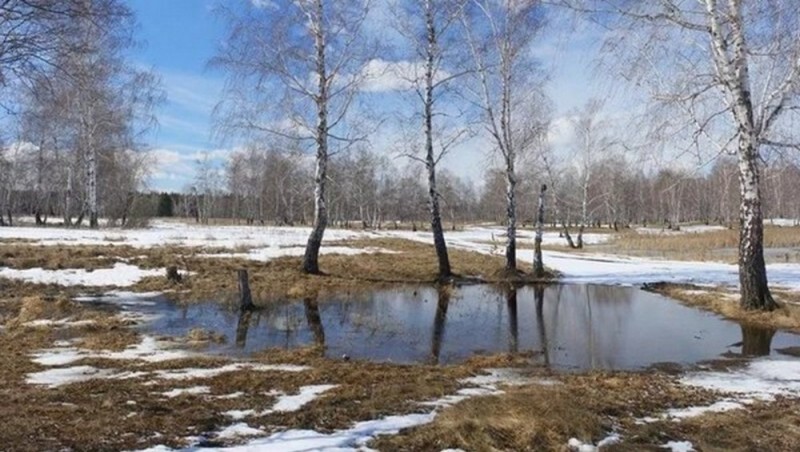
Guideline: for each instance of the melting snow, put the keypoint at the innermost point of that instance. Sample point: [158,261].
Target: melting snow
[287,403]
[122,275]
[194,390]
[149,350]
[761,379]
[239,430]
[54,378]
[197,373]
[679,446]
[355,437]
[579,446]
[717,407]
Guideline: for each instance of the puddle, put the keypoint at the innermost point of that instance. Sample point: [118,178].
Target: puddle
[571,327]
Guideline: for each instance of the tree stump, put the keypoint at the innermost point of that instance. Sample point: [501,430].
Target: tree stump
[173,275]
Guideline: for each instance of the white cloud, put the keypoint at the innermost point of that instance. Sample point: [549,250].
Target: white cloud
[381,75]
[172,170]
[263,4]
[561,133]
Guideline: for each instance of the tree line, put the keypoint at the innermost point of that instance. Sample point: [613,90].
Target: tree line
[78,107]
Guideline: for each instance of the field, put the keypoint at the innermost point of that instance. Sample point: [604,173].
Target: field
[101,351]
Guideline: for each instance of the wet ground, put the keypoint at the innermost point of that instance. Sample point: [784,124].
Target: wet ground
[567,327]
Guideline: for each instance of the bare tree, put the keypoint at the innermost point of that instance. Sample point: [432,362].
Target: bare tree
[428,26]
[312,52]
[591,143]
[498,34]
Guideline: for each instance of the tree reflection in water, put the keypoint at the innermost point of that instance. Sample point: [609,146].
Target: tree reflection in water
[314,322]
[439,321]
[756,341]
[513,320]
[538,293]
[242,326]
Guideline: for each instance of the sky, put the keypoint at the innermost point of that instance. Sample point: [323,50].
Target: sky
[180,36]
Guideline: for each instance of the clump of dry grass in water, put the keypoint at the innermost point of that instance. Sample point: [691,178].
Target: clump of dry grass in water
[201,337]
[722,301]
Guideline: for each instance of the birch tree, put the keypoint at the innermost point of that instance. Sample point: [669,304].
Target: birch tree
[429,26]
[294,71]
[591,143]
[507,91]
[727,73]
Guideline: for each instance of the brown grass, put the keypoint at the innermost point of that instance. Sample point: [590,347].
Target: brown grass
[412,263]
[724,302]
[718,245]
[761,427]
[545,417]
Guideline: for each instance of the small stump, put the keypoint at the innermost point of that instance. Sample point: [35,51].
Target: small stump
[173,275]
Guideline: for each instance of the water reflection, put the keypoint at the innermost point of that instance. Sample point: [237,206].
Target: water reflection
[242,326]
[756,341]
[513,319]
[538,293]
[314,320]
[439,321]
[572,326]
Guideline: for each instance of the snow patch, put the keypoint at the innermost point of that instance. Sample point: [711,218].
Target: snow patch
[198,373]
[194,390]
[60,323]
[679,446]
[288,403]
[762,379]
[579,446]
[149,350]
[121,275]
[238,430]
[693,411]
[355,437]
[53,378]
[267,254]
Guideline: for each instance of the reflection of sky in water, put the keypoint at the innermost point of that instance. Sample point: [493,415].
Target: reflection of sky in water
[583,326]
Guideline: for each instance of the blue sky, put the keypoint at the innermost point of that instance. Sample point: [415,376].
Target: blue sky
[182,35]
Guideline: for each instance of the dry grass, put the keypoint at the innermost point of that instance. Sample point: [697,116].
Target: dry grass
[704,246]
[726,303]
[215,278]
[544,417]
[412,263]
[761,427]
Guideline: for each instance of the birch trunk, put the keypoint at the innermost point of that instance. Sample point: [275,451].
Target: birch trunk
[755,292]
[311,257]
[511,214]
[430,157]
[731,58]
[538,263]
[91,182]
[584,211]
[68,199]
